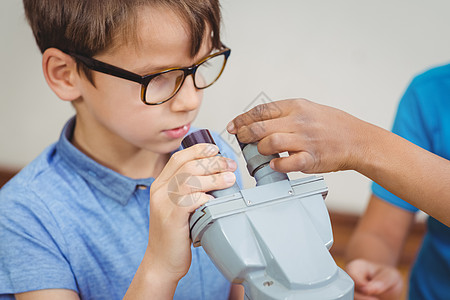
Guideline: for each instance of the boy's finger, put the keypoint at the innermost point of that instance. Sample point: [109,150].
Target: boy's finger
[184,184]
[208,166]
[178,159]
[217,181]
[192,201]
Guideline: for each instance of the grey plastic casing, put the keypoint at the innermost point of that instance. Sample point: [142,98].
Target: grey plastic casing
[273,238]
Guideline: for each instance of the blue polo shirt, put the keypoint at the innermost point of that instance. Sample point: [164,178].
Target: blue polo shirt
[67,222]
[423,117]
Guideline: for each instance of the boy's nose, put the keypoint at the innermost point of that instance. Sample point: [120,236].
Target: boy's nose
[188,97]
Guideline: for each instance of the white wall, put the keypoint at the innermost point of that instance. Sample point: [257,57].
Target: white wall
[352,54]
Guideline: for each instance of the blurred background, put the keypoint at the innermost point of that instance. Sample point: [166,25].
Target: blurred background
[356,55]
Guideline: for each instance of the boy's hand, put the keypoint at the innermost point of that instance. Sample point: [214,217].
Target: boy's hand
[318,138]
[177,192]
[374,281]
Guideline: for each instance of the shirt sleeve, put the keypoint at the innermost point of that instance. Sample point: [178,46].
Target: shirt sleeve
[30,245]
[411,124]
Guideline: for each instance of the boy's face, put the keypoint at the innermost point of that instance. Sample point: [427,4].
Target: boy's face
[112,110]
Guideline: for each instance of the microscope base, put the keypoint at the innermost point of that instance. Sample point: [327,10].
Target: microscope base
[265,288]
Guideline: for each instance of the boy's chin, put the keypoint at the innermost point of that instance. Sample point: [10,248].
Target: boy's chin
[169,147]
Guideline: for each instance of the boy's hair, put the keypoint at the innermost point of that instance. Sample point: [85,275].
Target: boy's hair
[89,27]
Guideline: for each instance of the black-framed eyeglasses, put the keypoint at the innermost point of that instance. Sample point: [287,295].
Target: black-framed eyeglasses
[158,88]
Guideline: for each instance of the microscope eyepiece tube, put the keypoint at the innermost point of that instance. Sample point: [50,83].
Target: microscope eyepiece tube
[258,164]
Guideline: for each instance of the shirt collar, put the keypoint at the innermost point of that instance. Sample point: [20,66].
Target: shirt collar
[114,185]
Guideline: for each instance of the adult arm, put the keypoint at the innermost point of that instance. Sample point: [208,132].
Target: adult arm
[237,292]
[322,139]
[374,250]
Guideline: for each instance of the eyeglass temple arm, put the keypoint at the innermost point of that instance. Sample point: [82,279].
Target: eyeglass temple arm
[108,69]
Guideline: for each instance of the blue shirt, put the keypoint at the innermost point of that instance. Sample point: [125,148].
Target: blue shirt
[67,222]
[423,117]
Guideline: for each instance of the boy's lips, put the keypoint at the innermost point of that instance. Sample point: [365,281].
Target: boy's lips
[176,133]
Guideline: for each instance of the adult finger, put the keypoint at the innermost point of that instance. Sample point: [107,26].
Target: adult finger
[386,279]
[361,296]
[296,162]
[361,271]
[278,142]
[258,113]
[256,131]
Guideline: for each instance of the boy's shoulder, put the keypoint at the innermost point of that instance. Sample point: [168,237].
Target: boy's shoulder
[34,181]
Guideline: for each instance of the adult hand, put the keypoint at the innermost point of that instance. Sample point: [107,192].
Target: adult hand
[375,281]
[318,138]
[177,192]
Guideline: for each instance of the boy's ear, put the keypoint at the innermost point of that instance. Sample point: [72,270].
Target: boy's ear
[60,71]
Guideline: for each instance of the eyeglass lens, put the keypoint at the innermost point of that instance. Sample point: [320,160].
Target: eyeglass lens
[164,86]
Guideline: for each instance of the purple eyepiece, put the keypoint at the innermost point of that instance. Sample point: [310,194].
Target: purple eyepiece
[197,137]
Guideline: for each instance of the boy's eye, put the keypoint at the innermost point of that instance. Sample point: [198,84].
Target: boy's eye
[164,85]
[162,81]
[159,79]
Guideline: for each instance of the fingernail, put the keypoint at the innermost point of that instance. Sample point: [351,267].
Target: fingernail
[212,149]
[231,164]
[230,127]
[229,177]
[376,285]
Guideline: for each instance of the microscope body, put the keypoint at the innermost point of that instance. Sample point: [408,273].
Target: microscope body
[273,238]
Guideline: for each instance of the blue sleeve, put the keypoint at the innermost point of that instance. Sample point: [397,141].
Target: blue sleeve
[411,123]
[30,244]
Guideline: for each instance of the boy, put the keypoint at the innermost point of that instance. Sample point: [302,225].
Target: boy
[77,222]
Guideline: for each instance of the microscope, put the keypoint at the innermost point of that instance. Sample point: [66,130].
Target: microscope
[274,238]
